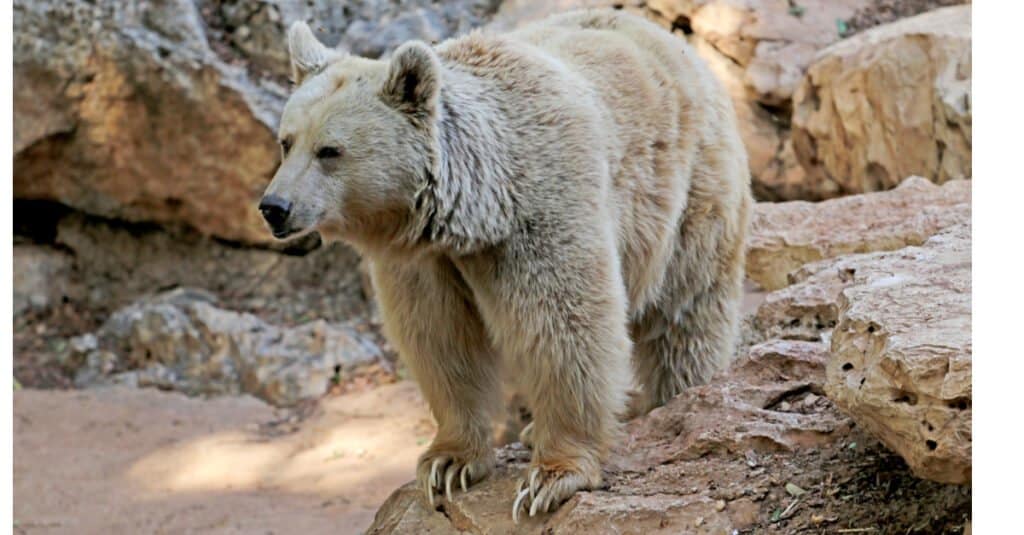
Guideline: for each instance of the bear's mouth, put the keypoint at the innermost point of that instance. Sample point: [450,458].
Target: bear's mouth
[282,234]
[292,232]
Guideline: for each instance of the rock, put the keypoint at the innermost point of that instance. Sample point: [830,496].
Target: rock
[890,102]
[740,410]
[808,308]
[180,340]
[115,263]
[788,235]
[658,480]
[139,119]
[41,277]
[901,354]
[255,29]
[884,11]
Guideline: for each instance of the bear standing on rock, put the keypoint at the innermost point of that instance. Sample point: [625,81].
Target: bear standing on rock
[550,201]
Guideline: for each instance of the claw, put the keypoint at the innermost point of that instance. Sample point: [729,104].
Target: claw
[463,476]
[535,507]
[533,483]
[435,476]
[448,478]
[515,505]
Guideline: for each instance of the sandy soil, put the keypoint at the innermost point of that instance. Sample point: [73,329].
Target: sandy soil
[144,461]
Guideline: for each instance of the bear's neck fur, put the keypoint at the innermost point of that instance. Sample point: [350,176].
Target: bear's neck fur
[467,199]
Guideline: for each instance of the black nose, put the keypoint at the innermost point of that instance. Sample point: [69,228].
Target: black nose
[275,210]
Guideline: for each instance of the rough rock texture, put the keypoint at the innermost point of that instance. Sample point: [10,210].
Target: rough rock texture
[884,11]
[807,309]
[255,29]
[767,402]
[788,235]
[745,408]
[888,103]
[116,263]
[512,14]
[41,277]
[901,354]
[181,341]
[121,109]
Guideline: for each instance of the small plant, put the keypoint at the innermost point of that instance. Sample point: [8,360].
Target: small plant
[842,27]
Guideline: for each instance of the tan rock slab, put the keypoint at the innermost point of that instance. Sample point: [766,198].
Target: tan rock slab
[901,354]
[788,235]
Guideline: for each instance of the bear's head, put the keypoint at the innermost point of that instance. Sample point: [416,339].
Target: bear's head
[357,139]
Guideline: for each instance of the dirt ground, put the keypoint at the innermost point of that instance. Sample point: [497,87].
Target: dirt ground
[123,460]
[143,461]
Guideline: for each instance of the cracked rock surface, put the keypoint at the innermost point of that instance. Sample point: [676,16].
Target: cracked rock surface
[888,103]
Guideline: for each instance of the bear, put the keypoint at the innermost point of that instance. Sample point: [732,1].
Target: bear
[567,203]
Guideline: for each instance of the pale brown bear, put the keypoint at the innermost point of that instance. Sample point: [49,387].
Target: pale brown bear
[550,201]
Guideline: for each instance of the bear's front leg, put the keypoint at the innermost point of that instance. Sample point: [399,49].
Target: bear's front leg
[429,315]
[555,304]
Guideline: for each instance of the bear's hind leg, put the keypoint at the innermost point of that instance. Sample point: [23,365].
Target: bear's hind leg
[690,331]
[674,350]
[430,317]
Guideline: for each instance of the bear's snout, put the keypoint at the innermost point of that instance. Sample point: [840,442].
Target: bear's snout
[276,211]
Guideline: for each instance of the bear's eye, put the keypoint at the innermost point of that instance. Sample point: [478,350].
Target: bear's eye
[286,145]
[328,152]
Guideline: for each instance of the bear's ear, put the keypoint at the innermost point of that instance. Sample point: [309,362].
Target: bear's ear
[414,79]
[309,56]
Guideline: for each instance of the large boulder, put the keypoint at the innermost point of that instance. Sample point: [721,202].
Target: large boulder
[887,103]
[180,340]
[901,353]
[785,236]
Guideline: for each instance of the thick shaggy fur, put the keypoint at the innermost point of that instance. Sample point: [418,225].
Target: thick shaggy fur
[568,201]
